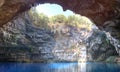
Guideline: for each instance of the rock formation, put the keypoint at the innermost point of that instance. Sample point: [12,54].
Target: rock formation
[99,47]
[21,41]
[98,11]
[105,14]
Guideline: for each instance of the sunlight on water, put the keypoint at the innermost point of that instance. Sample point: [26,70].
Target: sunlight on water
[68,67]
[59,67]
[82,67]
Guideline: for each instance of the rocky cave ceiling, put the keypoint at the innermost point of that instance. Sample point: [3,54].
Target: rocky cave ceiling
[98,11]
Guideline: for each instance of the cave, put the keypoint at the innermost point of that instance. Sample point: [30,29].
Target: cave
[104,14]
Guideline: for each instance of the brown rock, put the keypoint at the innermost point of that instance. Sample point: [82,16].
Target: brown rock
[98,11]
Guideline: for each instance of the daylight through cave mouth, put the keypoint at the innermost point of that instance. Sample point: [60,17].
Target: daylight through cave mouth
[70,30]
[45,34]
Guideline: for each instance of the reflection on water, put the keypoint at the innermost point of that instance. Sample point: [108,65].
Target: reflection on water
[59,67]
[81,67]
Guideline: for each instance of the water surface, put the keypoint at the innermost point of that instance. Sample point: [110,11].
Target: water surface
[59,67]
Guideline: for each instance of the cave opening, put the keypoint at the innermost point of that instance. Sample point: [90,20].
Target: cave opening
[56,35]
[52,40]
[76,37]
[47,34]
[70,31]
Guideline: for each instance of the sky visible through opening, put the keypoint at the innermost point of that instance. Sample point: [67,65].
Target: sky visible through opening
[52,9]
[55,9]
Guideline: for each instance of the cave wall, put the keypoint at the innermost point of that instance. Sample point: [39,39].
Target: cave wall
[22,41]
[104,13]
[98,11]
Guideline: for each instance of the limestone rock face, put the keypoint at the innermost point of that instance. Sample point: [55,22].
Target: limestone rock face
[69,42]
[104,13]
[20,40]
[25,42]
[99,46]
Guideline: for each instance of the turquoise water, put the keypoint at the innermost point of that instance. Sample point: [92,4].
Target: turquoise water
[59,67]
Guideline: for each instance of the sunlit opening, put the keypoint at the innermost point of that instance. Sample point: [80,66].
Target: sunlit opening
[48,39]
[52,10]
[70,31]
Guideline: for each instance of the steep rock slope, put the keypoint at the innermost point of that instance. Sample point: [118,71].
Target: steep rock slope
[105,14]
[99,46]
[20,41]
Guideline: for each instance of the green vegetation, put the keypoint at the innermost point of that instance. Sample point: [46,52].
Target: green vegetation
[39,20]
[43,21]
[58,18]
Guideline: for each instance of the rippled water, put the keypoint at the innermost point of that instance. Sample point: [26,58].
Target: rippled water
[59,67]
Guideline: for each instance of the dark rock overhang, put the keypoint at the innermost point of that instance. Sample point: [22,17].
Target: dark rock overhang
[98,11]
